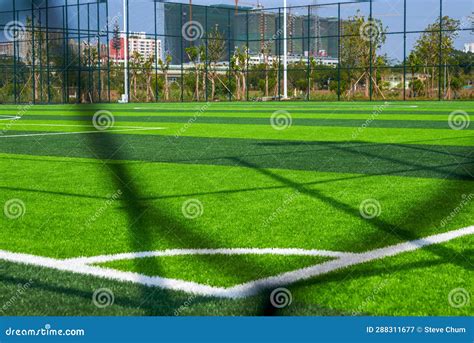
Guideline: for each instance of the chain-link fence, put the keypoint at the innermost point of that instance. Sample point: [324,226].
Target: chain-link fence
[79,51]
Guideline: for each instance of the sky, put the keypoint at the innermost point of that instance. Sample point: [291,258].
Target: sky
[420,13]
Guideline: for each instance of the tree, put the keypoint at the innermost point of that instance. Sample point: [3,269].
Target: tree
[195,55]
[136,62]
[427,49]
[148,74]
[238,63]
[361,39]
[215,53]
[165,66]
[116,40]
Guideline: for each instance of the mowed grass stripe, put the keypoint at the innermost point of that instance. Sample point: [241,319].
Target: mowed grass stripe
[375,123]
[196,115]
[454,162]
[69,213]
[238,111]
[262,132]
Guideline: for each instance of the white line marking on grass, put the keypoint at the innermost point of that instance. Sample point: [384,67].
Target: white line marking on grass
[344,260]
[5,117]
[252,288]
[112,274]
[80,132]
[223,251]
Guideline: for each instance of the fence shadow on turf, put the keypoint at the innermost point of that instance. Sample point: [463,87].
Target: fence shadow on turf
[437,205]
[148,222]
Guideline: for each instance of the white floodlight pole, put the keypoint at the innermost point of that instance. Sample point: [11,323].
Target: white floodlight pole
[285,53]
[125,46]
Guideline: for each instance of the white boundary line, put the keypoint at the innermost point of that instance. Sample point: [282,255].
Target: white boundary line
[81,132]
[222,251]
[7,117]
[344,260]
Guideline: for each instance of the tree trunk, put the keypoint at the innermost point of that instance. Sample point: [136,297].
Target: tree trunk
[167,91]
[196,88]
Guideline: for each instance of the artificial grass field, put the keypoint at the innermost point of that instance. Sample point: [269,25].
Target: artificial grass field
[88,192]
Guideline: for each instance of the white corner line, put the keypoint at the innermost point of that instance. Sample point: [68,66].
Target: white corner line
[220,251]
[79,266]
[254,287]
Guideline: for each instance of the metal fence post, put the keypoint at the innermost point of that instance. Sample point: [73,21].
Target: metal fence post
[207,57]
[308,67]
[405,49]
[440,66]
[339,51]
[48,77]
[33,58]
[108,48]
[370,54]
[79,62]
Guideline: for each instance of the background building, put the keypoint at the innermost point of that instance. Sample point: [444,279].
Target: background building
[138,42]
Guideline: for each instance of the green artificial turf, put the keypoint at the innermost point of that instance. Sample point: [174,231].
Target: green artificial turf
[216,270]
[88,193]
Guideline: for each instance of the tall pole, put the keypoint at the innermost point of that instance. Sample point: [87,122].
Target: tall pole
[285,53]
[125,48]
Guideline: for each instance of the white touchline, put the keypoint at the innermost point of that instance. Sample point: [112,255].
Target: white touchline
[342,260]
[80,132]
[4,117]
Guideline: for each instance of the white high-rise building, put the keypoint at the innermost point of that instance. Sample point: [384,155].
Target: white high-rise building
[469,47]
[144,45]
